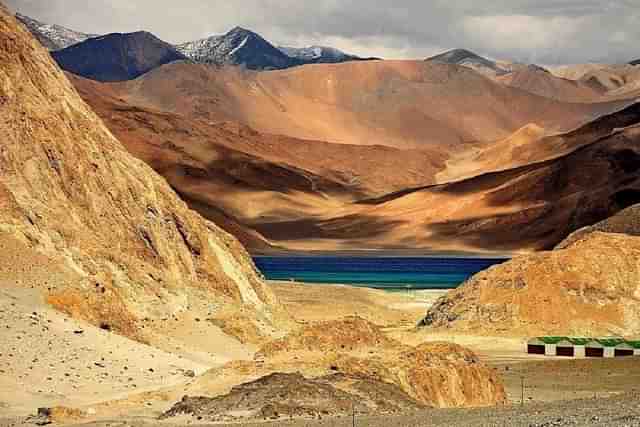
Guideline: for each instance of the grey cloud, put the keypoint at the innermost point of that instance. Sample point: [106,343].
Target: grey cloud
[542,31]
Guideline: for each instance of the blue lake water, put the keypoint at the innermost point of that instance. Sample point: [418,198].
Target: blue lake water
[392,273]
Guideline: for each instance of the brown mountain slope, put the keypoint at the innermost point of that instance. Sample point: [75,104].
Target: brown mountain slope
[620,81]
[530,207]
[541,82]
[396,103]
[236,176]
[530,145]
[589,288]
[131,248]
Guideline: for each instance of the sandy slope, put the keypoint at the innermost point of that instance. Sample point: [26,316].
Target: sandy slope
[397,103]
[528,207]
[543,83]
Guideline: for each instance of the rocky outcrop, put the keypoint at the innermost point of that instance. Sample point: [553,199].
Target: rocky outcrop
[282,396]
[588,288]
[70,191]
[117,57]
[434,374]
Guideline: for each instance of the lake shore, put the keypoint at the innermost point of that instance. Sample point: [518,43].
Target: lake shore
[382,253]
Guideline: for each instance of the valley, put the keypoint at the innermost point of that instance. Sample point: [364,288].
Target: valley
[143,182]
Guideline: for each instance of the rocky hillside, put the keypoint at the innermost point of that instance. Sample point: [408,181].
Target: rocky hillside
[121,56]
[587,288]
[53,37]
[238,47]
[71,192]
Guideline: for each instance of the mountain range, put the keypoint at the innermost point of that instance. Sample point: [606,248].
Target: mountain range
[237,47]
[303,156]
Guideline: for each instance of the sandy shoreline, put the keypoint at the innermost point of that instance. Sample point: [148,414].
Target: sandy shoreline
[381,253]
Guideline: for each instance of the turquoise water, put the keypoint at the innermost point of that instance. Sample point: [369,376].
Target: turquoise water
[376,272]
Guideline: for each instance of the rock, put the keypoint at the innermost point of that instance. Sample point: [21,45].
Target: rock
[587,288]
[280,395]
[433,374]
[58,415]
[436,374]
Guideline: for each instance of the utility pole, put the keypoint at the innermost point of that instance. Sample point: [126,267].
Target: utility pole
[522,390]
[353,415]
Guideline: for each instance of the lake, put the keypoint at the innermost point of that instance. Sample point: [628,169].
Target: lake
[392,273]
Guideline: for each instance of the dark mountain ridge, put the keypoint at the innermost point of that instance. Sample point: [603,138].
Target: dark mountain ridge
[117,57]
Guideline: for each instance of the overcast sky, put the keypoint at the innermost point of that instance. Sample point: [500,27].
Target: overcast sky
[541,31]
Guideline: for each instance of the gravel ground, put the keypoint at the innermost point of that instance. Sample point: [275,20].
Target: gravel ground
[618,411]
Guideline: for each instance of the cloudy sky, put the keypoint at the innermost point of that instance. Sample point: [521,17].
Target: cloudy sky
[541,31]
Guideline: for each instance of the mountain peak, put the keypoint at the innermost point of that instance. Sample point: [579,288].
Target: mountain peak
[124,56]
[456,56]
[51,36]
[469,59]
[240,30]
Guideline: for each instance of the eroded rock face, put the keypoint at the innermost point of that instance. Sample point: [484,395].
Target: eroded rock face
[438,374]
[433,374]
[590,287]
[71,191]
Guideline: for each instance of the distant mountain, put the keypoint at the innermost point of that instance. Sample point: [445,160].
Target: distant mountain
[636,62]
[320,55]
[471,60]
[53,37]
[238,47]
[542,82]
[117,57]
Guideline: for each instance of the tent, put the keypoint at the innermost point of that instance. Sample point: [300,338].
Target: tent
[623,349]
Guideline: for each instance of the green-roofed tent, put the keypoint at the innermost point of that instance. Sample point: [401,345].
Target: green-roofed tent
[624,349]
[594,349]
[610,342]
[552,340]
[636,347]
[565,348]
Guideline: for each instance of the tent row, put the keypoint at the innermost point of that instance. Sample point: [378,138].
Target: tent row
[583,347]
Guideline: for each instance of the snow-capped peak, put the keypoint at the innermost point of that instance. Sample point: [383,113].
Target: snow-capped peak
[53,37]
